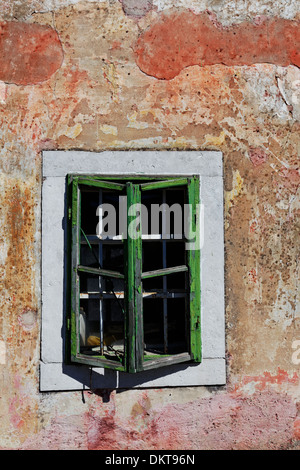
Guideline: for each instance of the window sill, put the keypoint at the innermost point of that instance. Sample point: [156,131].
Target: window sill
[58,377]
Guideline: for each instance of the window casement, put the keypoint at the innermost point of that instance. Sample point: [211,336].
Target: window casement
[163,329]
[134,288]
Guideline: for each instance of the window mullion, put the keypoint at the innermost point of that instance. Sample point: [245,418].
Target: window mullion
[134,324]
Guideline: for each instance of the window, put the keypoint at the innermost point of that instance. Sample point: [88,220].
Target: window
[135,292]
[152,174]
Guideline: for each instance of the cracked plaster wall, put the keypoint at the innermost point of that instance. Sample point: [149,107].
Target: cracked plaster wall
[86,98]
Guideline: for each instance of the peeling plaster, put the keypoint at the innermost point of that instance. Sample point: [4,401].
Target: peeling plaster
[237,188]
[106,129]
[178,39]
[2,353]
[3,92]
[36,50]
[72,132]
[216,141]
[234,11]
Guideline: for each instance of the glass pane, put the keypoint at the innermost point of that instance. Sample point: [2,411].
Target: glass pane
[165,315]
[166,327]
[175,200]
[107,252]
[153,326]
[89,255]
[152,256]
[92,201]
[103,255]
[160,248]
[93,284]
[177,281]
[164,213]
[175,254]
[113,256]
[89,206]
[153,284]
[101,316]
[152,225]
[177,326]
[110,200]
[176,196]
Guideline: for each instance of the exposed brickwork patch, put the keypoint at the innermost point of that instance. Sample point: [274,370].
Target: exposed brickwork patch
[181,39]
[29,53]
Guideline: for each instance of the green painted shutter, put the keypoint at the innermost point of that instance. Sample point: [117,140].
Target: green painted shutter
[194,270]
[78,183]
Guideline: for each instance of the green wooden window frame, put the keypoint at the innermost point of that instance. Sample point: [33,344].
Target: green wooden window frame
[133,359]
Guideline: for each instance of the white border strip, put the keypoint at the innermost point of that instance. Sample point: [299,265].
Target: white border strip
[54,375]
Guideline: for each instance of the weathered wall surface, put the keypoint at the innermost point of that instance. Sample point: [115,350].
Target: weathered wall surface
[154,74]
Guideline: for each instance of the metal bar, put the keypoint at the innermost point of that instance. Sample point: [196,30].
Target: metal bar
[164,184]
[164,272]
[94,240]
[165,236]
[121,295]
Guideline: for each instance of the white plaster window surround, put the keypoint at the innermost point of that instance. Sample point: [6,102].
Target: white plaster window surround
[55,375]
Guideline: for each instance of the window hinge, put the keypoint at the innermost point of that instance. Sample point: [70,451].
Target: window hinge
[69,213]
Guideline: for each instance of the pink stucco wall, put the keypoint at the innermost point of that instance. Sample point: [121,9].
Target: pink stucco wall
[158,75]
